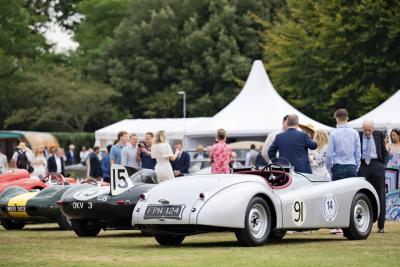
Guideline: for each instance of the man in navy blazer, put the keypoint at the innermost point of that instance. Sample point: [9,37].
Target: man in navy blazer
[182,162]
[293,145]
[55,163]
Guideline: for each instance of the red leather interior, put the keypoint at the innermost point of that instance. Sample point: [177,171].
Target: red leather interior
[265,174]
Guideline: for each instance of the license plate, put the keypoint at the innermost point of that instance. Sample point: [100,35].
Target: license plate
[80,205]
[164,211]
[16,208]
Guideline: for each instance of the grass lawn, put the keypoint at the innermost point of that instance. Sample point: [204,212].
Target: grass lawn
[45,245]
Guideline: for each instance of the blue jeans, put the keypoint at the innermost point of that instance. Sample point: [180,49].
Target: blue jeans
[343,171]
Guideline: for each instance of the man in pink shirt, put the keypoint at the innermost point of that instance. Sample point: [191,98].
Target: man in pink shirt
[220,154]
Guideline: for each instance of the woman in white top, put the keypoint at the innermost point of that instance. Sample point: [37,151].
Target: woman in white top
[39,163]
[3,163]
[318,156]
[162,152]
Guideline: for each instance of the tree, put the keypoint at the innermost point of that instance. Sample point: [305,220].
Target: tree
[328,54]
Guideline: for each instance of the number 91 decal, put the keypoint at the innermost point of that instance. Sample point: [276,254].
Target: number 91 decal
[299,212]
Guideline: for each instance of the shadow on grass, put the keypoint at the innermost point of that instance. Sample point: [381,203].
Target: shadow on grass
[44,229]
[135,235]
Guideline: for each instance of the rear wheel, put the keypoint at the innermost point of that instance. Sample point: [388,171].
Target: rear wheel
[277,234]
[11,224]
[361,217]
[257,223]
[85,228]
[169,240]
[64,223]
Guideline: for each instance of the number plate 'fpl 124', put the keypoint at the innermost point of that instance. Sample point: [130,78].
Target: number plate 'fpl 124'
[164,211]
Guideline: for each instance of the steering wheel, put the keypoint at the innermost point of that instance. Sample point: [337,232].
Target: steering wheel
[53,176]
[275,180]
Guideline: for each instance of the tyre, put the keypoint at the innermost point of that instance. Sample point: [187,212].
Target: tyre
[361,218]
[146,233]
[64,223]
[11,224]
[257,224]
[85,228]
[277,234]
[169,240]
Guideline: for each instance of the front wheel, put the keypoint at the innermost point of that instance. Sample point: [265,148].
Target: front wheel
[257,223]
[277,234]
[85,228]
[11,224]
[361,217]
[169,240]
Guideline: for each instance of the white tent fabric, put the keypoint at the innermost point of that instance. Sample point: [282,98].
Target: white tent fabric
[174,128]
[256,111]
[385,116]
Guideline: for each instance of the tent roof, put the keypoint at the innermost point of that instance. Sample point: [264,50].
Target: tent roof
[257,110]
[385,115]
[174,127]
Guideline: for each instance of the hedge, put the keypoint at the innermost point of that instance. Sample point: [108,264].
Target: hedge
[79,139]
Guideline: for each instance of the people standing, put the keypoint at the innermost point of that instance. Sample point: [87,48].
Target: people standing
[94,162]
[220,154]
[293,145]
[71,158]
[83,155]
[39,163]
[129,155]
[115,152]
[393,149]
[3,163]
[22,157]
[251,156]
[145,152]
[374,158]
[343,153]
[106,165]
[161,151]
[55,163]
[318,156]
[260,160]
[181,164]
[200,155]
[271,138]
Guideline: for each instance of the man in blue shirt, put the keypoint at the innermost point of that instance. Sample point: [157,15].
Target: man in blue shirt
[106,165]
[115,152]
[343,153]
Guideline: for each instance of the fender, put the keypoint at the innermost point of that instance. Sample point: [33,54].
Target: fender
[227,208]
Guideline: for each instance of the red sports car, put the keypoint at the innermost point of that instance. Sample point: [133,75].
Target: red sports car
[22,178]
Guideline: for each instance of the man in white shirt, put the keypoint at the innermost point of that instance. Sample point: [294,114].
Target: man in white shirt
[129,155]
[55,163]
[251,156]
[3,163]
[271,138]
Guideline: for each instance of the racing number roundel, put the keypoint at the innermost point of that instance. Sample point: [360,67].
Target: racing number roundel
[330,208]
[299,212]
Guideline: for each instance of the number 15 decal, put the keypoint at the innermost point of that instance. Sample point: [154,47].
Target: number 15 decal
[299,212]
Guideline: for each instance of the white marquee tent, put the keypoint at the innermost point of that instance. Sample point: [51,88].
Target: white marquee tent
[256,111]
[174,128]
[385,116]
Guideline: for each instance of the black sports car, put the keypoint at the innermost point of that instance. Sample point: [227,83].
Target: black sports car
[106,207]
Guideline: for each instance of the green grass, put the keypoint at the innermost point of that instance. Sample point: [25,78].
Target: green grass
[45,245]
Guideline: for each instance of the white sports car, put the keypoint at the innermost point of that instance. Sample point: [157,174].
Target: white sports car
[256,205]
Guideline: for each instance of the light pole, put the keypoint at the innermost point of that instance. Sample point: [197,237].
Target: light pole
[183,93]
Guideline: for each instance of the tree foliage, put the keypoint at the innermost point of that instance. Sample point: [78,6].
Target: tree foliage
[328,54]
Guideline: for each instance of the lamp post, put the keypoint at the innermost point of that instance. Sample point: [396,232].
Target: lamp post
[183,93]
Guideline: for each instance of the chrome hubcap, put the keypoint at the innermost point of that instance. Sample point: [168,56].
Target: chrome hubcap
[361,216]
[258,221]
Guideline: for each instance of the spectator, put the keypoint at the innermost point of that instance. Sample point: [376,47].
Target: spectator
[233,163]
[55,163]
[83,155]
[3,163]
[374,158]
[63,154]
[145,152]
[251,156]
[393,149]
[162,152]
[220,154]
[271,138]
[39,163]
[343,152]
[200,155]
[182,162]
[260,160]
[71,158]
[95,166]
[129,155]
[293,145]
[115,152]
[318,156]
[46,152]
[106,165]
[22,157]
